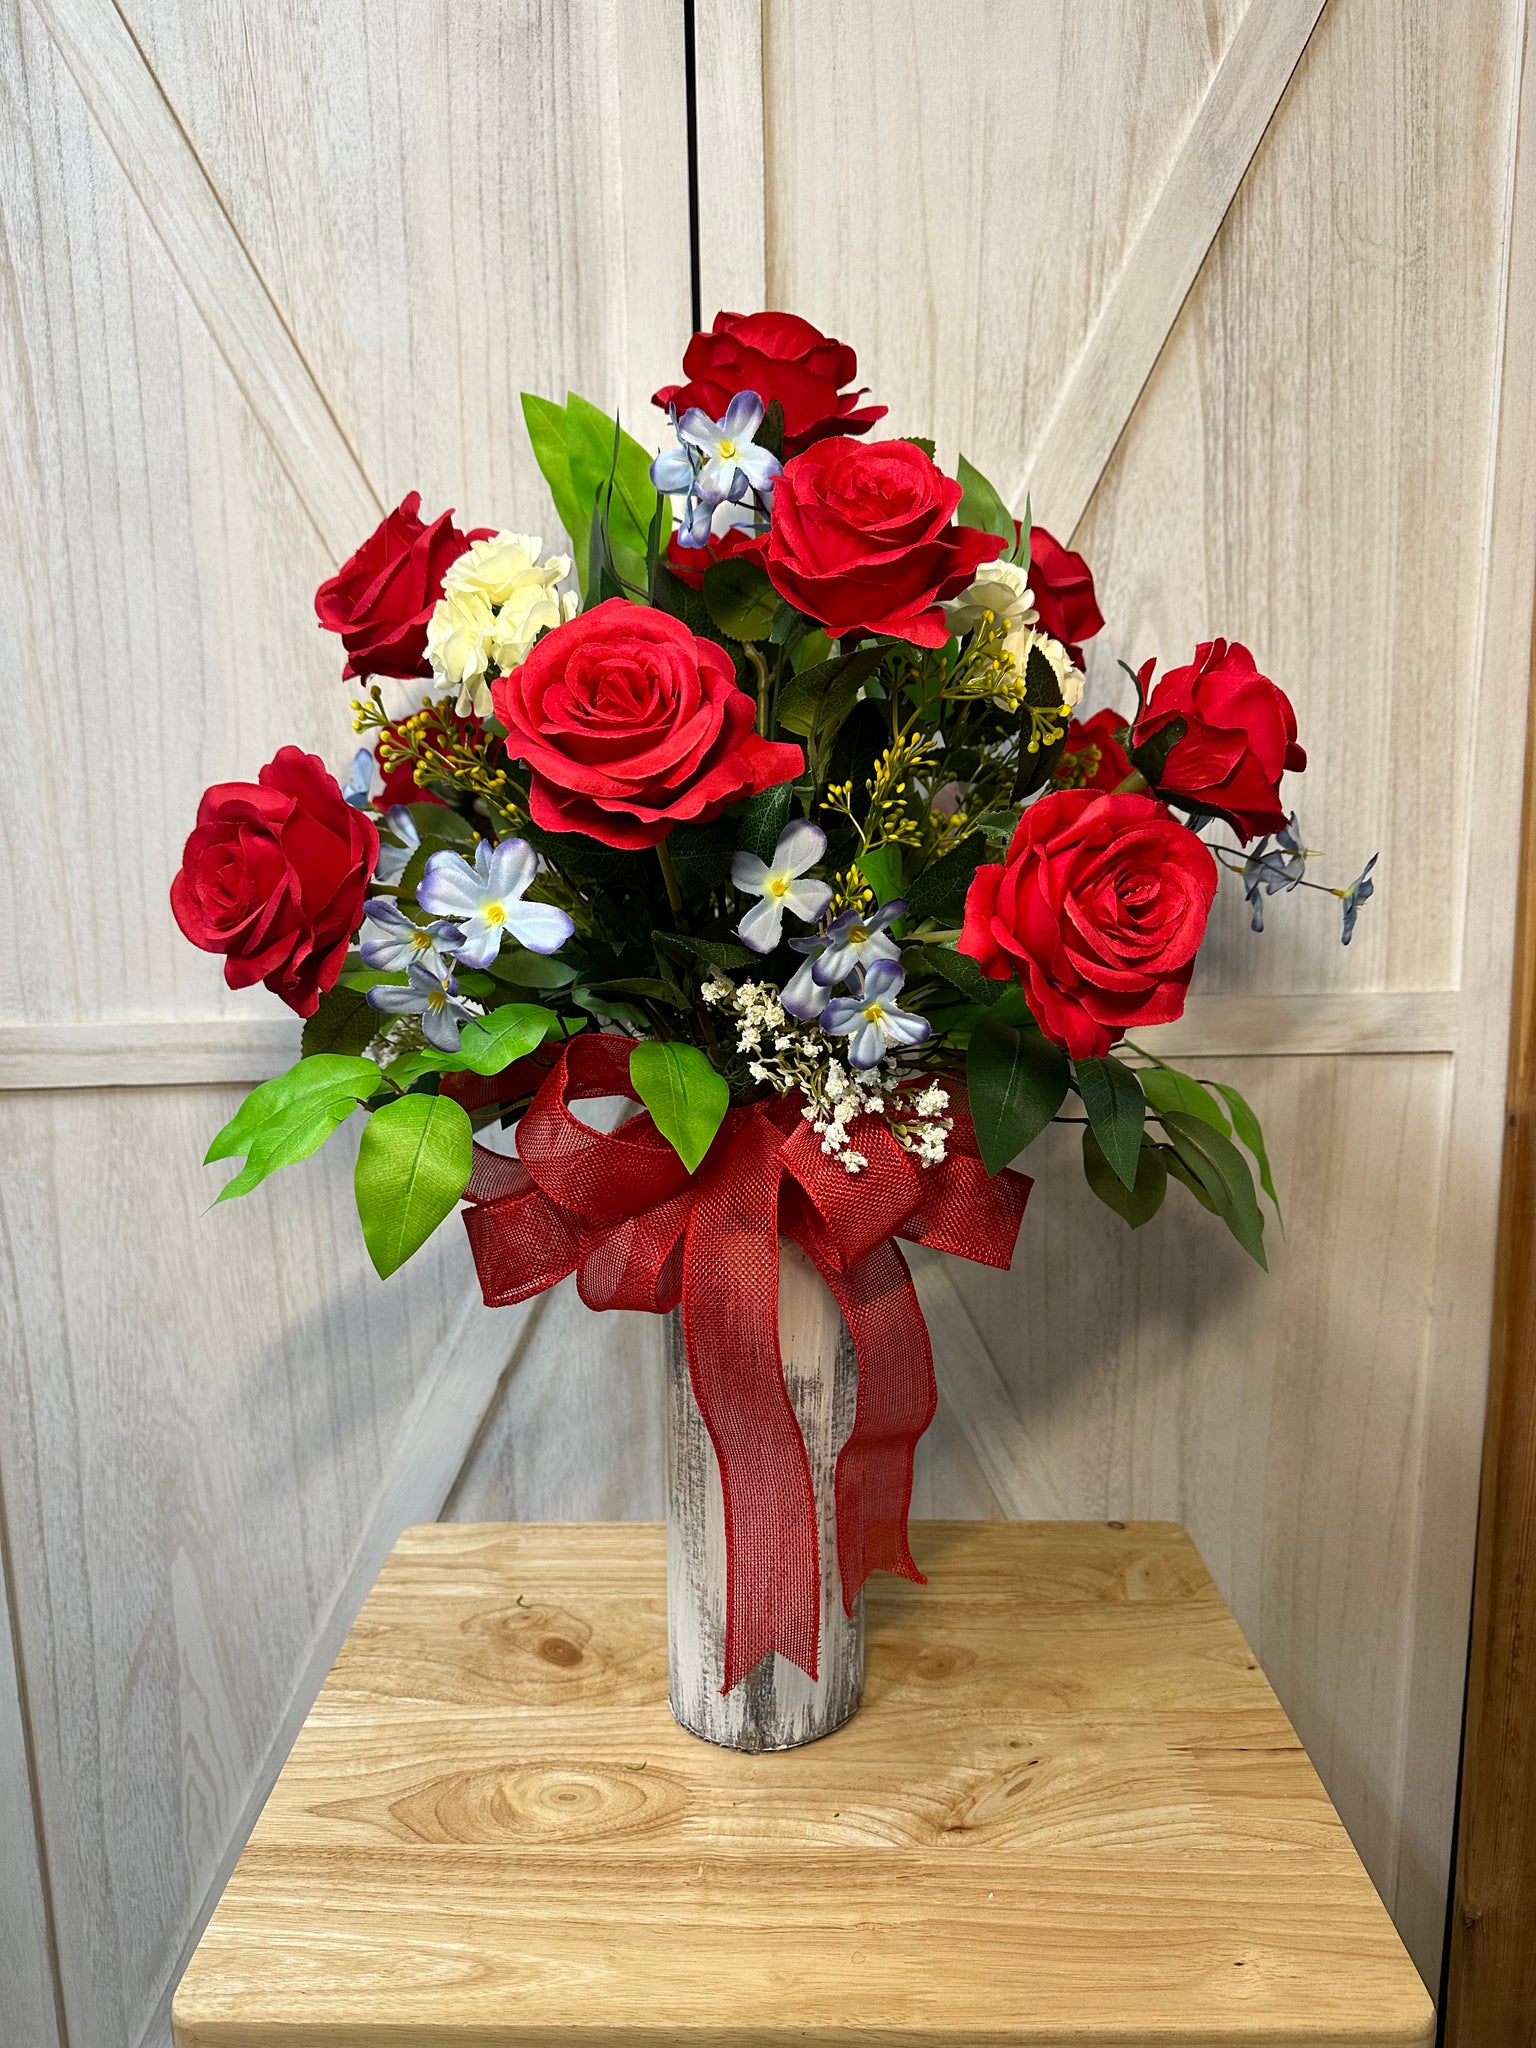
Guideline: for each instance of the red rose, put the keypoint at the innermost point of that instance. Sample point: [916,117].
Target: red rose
[779,356]
[1241,737]
[1099,909]
[862,540]
[1093,758]
[274,877]
[688,564]
[631,725]
[1063,592]
[380,600]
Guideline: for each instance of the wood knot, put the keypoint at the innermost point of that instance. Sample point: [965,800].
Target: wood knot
[556,1650]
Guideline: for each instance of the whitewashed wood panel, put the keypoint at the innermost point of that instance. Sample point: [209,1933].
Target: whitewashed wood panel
[211,224]
[1311,467]
[26,1956]
[200,1411]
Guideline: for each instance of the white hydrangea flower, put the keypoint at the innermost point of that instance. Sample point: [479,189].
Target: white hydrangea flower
[497,599]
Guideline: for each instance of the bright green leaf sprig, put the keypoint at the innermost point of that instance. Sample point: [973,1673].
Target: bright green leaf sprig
[686,1097]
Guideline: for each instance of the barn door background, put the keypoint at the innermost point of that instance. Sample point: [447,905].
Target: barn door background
[1240,295]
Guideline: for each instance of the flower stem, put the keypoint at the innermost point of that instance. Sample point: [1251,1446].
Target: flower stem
[669,876]
[760,667]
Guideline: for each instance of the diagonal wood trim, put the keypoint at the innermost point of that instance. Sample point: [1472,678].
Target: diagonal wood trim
[248,329]
[1490,1999]
[465,1377]
[1099,395]
[977,1396]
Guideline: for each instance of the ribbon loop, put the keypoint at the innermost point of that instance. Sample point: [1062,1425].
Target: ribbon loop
[621,1211]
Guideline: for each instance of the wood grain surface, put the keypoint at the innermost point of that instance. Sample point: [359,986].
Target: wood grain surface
[1071,1811]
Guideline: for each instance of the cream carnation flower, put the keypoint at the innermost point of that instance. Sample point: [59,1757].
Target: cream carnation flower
[1019,645]
[1002,589]
[497,599]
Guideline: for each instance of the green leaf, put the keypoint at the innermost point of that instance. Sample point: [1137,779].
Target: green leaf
[440,825]
[760,825]
[1223,1172]
[720,953]
[982,505]
[1016,1080]
[680,600]
[940,891]
[1180,1171]
[1021,548]
[741,600]
[1249,1129]
[285,1119]
[657,537]
[686,1097]
[701,856]
[646,986]
[1167,1089]
[770,434]
[923,441]
[599,449]
[815,702]
[545,422]
[1151,757]
[1116,1108]
[790,626]
[811,650]
[412,1166]
[1138,1204]
[487,1045]
[881,868]
[958,968]
[343,1023]
[576,854]
[365,978]
[522,969]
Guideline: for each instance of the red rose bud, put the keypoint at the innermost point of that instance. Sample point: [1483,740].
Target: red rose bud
[1239,739]
[1092,757]
[274,876]
[632,725]
[380,600]
[1063,592]
[863,541]
[779,356]
[1099,909]
[688,564]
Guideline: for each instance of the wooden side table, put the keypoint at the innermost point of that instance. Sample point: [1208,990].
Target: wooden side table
[1070,1811]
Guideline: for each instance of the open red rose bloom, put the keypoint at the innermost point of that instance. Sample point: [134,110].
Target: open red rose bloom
[630,725]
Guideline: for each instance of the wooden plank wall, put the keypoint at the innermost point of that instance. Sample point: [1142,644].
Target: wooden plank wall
[1224,287]
[262,270]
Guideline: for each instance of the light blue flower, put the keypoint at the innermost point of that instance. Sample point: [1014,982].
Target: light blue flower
[871,1021]
[1360,890]
[393,860]
[716,462]
[780,884]
[1266,871]
[856,940]
[431,997]
[391,941]
[487,901]
[803,995]
[359,779]
[732,464]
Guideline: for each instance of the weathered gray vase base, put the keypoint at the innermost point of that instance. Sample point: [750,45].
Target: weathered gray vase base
[776,1706]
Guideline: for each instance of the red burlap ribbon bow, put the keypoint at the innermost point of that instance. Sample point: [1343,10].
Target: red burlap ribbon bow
[621,1211]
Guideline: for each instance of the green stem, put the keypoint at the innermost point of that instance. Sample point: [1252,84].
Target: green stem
[764,685]
[669,876]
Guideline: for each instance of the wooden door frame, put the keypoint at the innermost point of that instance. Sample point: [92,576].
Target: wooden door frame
[1490,1991]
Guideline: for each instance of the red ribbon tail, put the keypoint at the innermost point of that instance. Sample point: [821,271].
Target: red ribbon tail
[731,1333]
[897,1397]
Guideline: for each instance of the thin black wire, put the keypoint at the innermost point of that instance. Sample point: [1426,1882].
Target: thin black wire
[690,86]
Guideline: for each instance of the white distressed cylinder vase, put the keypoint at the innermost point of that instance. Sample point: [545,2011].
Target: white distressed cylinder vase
[776,1706]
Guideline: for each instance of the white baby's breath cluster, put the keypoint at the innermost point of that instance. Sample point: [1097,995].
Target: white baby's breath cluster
[793,1058]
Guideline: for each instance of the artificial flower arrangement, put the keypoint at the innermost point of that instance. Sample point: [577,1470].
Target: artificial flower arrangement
[782,824]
